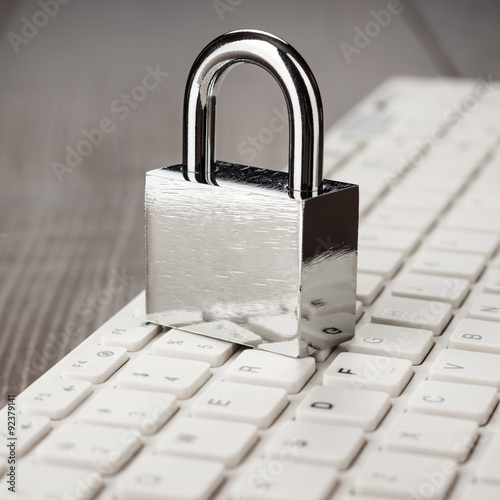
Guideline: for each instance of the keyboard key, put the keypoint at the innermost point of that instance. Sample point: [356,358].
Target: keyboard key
[96,363]
[460,218]
[454,400]
[393,341]
[156,477]
[241,403]
[180,377]
[383,262]
[479,201]
[485,306]
[274,327]
[226,442]
[410,198]
[29,430]
[401,475]
[431,435]
[482,491]
[57,398]
[413,313]
[488,469]
[401,240]
[132,334]
[476,335]
[365,371]
[467,367]
[296,481]
[344,406]
[404,218]
[141,410]
[368,287]
[492,283]
[226,330]
[273,370]
[81,445]
[464,241]
[56,481]
[317,443]
[456,265]
[185,345]
[419,286]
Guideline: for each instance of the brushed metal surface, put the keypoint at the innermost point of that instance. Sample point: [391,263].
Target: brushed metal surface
[242,261]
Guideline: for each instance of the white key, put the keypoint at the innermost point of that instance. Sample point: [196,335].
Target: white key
[364,371]
[485,306]
[409,198]
[480,201]
[386,238]
[467,367]
[185,345]
[70,482]
[460,218]
[454,400]
[156,477]
[274,327]
[81,445]
[241,403]
[141,410]
[457,265]
[296,481]
[359,311]
[180,377]
[413,313]
[440,288]
[401,475]
[482,491]
[343,406]
[488,469]
[383,262]
[226,330]
[29,429]
[57,398]
[464,241]
[274,370]
[492,283]
[405,218]
[96,363]
[431,435]
[476,335]
[393,341]
[317,443]
[368,287]
[131,333]
[226,442]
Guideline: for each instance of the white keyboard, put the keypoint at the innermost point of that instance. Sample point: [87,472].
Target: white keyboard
[406,410]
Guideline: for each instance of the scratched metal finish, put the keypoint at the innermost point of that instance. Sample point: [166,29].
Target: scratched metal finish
[242,261]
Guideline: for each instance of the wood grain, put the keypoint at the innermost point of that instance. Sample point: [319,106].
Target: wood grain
[65,243]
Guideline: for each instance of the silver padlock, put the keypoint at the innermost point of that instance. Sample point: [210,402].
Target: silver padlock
[253,256]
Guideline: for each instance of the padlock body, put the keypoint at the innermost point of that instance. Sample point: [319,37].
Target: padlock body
[244,262]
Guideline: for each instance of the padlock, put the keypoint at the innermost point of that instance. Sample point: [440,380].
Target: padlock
[249,255]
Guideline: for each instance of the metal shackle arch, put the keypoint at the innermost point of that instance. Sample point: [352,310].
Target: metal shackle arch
[301,93]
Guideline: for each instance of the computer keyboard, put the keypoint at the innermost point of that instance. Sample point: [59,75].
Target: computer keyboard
[406,410]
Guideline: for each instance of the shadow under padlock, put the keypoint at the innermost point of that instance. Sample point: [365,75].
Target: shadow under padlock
[258,257]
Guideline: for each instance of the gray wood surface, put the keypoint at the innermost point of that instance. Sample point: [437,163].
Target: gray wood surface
[71,246]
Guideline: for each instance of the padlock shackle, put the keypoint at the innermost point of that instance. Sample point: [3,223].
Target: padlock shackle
[305,111]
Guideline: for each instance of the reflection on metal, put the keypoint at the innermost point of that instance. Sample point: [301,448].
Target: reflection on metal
[262,258]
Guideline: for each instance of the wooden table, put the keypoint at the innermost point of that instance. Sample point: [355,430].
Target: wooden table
[71,239]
